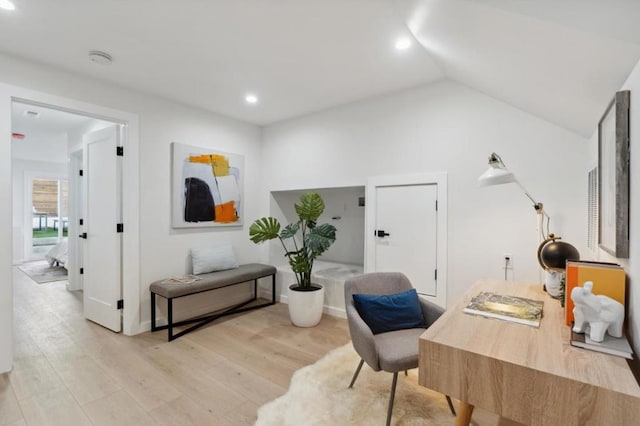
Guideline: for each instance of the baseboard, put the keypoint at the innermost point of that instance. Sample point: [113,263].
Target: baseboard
[145,326]
[264,293]
[329,310]
[335,312]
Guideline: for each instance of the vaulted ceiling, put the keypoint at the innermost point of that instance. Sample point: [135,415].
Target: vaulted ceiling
[559,60]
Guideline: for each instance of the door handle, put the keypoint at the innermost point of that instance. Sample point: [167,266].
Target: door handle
[83,236]
[380,233]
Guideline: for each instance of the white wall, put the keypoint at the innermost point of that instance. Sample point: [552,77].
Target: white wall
[41,146]
[342,211]
[74,135]
[632,264]
[163,251]
[446,127]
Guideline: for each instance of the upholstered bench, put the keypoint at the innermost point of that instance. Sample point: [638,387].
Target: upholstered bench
[209,282]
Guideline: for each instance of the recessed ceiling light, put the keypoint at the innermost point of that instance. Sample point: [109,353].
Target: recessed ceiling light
[251,99]
[403,43]
[7,5]
[99,57]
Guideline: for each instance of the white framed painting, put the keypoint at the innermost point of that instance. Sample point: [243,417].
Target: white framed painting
[207,187]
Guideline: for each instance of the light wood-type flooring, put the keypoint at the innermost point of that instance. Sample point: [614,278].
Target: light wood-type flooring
[69,371]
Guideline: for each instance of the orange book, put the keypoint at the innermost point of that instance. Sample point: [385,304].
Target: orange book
[609,279]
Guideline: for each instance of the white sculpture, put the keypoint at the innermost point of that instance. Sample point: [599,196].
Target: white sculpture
[599,313]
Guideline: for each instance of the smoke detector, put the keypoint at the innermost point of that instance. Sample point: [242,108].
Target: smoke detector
[99,57]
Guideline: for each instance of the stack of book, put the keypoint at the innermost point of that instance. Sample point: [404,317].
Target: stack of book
[609,279]
[507,308]
[610,345]
[182,279]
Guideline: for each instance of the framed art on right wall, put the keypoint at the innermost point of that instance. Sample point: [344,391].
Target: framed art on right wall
[613,177]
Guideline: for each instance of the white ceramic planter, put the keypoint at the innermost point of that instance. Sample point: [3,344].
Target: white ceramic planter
[305,307]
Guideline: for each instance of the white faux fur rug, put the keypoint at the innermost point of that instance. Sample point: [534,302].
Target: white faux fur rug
[318,395]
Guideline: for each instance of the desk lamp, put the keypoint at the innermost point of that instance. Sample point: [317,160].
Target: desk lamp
[552,254]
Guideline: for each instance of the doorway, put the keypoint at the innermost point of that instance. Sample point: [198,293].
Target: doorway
[9,94]
[47,219]
[406,230]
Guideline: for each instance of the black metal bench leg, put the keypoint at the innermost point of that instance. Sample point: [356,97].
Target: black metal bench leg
[153,311]
[255,289]
[170,318]
[273,289]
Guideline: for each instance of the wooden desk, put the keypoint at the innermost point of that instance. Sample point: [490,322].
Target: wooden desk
[530,375]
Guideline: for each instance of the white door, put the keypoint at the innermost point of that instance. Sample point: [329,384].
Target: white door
[102,246]
[406,233]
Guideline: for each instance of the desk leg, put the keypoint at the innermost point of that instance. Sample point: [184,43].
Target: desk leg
[465,410]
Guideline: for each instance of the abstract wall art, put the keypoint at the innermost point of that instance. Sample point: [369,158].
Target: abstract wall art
[613,176]
[207,187]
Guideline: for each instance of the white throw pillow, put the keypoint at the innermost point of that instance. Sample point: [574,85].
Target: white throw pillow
[212,259]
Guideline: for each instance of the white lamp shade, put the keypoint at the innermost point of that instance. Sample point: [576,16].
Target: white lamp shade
[496,175]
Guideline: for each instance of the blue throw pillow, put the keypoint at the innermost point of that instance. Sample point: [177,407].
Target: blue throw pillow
[389,312]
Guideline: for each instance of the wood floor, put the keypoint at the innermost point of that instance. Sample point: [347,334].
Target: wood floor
[69,371]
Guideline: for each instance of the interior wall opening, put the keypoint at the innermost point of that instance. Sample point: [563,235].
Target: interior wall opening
[47,148]
[344,209]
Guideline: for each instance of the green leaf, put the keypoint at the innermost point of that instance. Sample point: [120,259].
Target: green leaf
[290,230]
[264,229]
[311,207]
[316,239]
[319,239]
[299,263]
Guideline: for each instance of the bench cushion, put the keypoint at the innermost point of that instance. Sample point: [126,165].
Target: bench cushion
[213,280]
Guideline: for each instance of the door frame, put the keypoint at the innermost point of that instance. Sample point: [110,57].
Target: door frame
[130,180]
[440,180]
[75,257]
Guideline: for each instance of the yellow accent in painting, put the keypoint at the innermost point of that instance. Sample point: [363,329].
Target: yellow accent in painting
[219,163]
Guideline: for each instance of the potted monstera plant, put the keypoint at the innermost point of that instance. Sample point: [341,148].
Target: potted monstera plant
[303,242]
